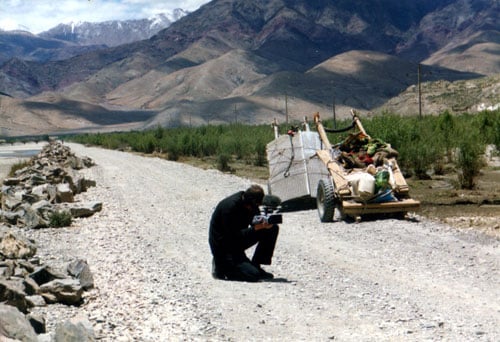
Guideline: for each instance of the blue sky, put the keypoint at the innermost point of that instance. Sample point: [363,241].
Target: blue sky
[40,15]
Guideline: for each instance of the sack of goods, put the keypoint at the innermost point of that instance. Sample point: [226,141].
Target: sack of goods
[369,188]
[362,185]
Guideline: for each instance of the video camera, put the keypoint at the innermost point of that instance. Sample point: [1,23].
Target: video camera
[269,211]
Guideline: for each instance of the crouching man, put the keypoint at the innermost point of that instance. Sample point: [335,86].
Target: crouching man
[231,233]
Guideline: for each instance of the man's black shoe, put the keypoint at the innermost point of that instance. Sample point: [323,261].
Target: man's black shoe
[216,273]
[263,274]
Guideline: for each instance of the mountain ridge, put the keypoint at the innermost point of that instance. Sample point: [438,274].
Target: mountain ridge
[233,58]
[112,32]
[67,40]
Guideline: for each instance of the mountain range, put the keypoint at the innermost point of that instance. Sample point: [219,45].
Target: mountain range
[75,38]
[113,32]
[235,60]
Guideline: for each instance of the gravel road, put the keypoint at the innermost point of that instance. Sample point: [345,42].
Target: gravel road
[382,280]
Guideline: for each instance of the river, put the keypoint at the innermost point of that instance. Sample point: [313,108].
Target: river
[11,154]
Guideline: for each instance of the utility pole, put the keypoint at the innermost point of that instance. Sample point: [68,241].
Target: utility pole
[419,91]
[286,108]
[333,105]
[334,113]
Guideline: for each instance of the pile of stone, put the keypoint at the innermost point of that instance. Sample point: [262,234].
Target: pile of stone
[45,187]
[25,283]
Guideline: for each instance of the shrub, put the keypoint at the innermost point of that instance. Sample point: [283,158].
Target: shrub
[496,132]
[470,161]
[417,147]
[158,132]
[421,157]
[445,130]
[487,123]
[18,166]
[60,219]
[173,153]
[223,162]
[260,150]
[387,127]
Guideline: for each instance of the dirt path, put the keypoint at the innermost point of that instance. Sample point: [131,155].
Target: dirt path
[373,281]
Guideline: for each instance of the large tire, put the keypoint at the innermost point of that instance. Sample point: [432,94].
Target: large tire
[325,200]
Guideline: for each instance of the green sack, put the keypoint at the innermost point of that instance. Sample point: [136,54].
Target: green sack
[382,180]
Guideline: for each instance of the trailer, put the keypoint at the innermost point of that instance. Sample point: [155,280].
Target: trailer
[304,164]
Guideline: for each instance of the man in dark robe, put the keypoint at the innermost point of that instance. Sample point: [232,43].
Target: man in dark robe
[232,232]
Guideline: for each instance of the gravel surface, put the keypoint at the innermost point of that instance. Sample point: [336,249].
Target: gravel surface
[376,280]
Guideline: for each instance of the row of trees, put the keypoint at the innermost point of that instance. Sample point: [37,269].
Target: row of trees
[232,141]
[431,142]
[424,143]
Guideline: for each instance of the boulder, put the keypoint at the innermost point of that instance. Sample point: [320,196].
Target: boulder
[64,193]
[37,322]
[19,195]
[44,209]
[31,287]
[45,274]
[80,270]
[11,202]
[10,217]
[31,219]
[66,291]
[15,247]
[15,326]
[77,329]
[85,209]
[7,268]
[45,192]
[37,179]
[35,300]
[19,272]
[27,265]
[11,181]
[11,295]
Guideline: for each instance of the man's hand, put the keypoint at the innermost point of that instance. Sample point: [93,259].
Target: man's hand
[263,225]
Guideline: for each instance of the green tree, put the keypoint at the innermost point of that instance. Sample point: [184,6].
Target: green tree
[260,151]
[470,160]
[446,130]
[223,160]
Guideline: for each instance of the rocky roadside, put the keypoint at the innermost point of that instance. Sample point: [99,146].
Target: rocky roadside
[41,195]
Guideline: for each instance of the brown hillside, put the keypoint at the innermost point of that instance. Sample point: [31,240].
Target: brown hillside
[479,53]
[457,97]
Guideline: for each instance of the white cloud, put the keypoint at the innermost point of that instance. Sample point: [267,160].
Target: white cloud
[8,24]
[41,15]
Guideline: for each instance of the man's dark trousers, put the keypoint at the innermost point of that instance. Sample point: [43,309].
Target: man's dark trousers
[239,267]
